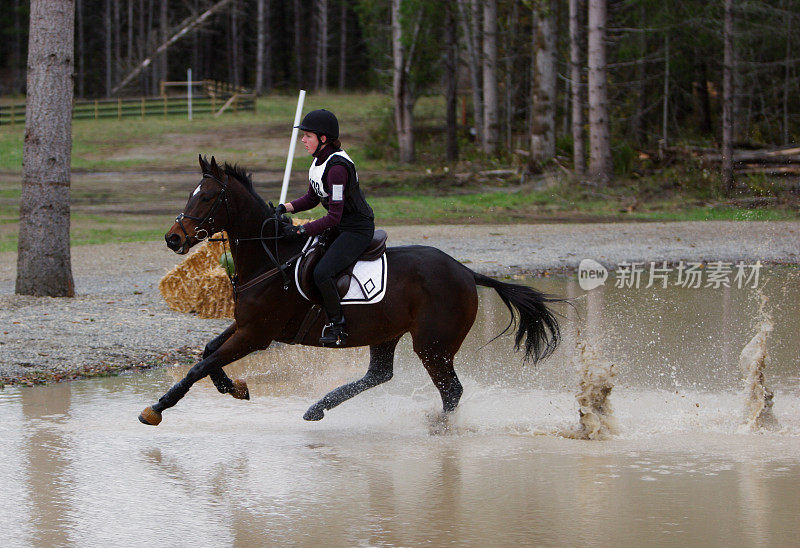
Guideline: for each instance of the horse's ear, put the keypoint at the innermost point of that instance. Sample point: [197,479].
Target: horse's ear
[215,168]
[203,164]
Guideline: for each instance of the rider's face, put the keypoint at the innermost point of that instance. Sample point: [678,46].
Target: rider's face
[311,141]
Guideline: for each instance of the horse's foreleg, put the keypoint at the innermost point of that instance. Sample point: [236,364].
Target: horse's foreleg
[381,364]
[238,388]
[236,347]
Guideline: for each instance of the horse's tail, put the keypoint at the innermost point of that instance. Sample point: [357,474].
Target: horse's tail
[537,324]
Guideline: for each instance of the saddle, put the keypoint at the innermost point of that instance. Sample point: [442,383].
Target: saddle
[308,261]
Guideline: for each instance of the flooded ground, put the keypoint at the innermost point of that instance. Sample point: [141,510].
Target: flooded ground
[683,467]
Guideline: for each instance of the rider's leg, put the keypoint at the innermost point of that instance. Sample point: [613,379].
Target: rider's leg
[342,253]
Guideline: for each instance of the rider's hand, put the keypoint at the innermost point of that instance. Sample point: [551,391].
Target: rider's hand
[299,230]
[280,210]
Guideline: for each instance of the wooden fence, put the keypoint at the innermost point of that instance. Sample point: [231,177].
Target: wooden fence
[141,107]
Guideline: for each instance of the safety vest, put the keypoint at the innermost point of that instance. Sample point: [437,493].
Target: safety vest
[357,212]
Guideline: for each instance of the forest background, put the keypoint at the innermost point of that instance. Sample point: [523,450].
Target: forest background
[459,110]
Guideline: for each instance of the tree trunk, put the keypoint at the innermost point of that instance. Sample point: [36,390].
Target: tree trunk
[786,67]
[117,41]
[152,74]
[491,115]
[80,47]
[267,46]
[43,257]
[543,122]
[665,108]
[107,44]
[638,127]
[343,46]
[298,64]
[468,24]
[451,43]
[259,47]
[728,94]
[129,51]
[164,35]
[321,58]
[702,98]
[403,101]
[235,53]
[576,8]
[600,164]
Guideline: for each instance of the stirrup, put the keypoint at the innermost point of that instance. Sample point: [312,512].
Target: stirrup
[333,334]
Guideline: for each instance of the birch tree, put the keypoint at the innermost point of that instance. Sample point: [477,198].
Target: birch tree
[342,44]
[401,87]
[491,111]
[727,99]
[321,57]
[576,8]
[43,256]
[600,162]
[470,29]
[163,36]
[451,71]
[543,122]
[263,67]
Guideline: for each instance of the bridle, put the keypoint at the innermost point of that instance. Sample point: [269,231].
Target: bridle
[222,197]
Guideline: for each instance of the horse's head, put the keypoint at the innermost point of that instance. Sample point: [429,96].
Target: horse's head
[205,213]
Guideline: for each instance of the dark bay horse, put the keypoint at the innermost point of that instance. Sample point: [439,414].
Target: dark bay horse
[429,294]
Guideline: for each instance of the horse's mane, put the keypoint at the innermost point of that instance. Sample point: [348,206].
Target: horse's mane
[240,174]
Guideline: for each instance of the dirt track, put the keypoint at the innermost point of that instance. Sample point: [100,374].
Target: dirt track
[119,320]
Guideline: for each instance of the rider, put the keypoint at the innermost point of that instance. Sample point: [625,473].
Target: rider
[350,222]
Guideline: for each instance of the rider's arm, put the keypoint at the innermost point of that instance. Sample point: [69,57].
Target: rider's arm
[304,203]
[337,181]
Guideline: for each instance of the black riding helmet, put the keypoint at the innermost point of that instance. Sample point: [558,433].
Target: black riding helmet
[321,122]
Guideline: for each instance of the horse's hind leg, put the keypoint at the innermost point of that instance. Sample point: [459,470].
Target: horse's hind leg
[436,342]
[381,364]
[439,366]
[238,388]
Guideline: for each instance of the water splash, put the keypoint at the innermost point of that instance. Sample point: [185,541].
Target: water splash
[596,374]
[753,360]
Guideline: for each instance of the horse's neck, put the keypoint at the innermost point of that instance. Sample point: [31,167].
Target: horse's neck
[249,255]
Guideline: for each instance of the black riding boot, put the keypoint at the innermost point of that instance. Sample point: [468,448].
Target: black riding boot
[334,334]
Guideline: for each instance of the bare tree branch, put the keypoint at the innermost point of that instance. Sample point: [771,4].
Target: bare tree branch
[184,28]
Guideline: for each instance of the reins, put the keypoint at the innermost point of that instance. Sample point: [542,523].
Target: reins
[279,268]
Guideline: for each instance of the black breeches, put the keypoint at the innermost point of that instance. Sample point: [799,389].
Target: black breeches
[343,252]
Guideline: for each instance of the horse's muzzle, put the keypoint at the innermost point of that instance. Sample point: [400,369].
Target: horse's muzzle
[173,242]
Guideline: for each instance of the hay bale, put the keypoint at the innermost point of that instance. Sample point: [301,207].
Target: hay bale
[199,284]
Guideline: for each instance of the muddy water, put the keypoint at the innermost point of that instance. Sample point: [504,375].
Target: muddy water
[76,468]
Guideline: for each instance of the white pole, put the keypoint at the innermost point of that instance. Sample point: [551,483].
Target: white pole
[189,86]
[292,144]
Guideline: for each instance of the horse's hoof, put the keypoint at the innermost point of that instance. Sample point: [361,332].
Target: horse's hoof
[150,417]
[314,413]
[240,390]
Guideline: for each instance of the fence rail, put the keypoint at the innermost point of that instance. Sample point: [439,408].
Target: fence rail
[141,107]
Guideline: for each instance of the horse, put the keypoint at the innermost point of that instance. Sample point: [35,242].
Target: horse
[429,294]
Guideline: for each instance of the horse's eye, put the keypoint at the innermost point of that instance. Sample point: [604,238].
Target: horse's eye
[205,198]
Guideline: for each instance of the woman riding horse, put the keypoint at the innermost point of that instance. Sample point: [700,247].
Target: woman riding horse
[428,294]
[350,223]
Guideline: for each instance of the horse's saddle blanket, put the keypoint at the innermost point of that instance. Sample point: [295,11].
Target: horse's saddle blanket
[364,282]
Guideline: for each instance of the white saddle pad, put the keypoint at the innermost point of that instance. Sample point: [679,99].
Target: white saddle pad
[367,285]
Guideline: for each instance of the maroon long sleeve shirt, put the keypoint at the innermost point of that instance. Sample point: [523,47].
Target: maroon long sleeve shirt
[337,175]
